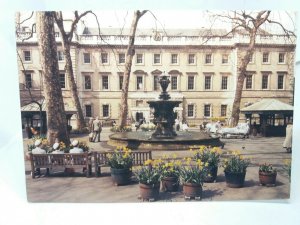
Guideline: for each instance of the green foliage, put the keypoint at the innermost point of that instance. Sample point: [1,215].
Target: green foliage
[236,163]
[120,158]
[288,168]
[170,168]
[215,119]
[266,168]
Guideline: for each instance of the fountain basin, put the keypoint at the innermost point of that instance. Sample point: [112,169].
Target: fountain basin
[145,141]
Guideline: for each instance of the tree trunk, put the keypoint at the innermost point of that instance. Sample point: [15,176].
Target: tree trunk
[129,56]
[73,85]
[66,40]
[242,73]
[56,117]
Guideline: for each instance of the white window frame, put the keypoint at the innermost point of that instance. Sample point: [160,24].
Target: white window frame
[156,79]
[154,58]
[194,58]
[193,110]
[269,60]
[62,73]
[221,110]
[107,58]
[102,109]
[205,111]
[119,84]
[210,87]
[284,57]
[283,80]
[177,82]
[142,88]
[90,58]
[268,81]
[177,59]
[136,59]
[84,82]
[108,82]
[24,56]
[119,55]
[252,77]
[225,63]
[188,77]
[85,111]
[60,56]
[227,77]
[211,59]
[25,80]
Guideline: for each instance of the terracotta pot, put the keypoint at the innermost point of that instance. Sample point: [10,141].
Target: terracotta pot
[267,178]
[213,171]
[191,190]
[149,191]
[121,176]
[170,184]
[235,180]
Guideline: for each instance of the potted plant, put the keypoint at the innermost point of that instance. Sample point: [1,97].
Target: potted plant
[235,170]
[149,177]
[267,174]
[287,167]
[120,162]
[211,159]
[170,173]
[192,175]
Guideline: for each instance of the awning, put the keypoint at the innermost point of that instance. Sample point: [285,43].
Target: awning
[33,107]
[268,106]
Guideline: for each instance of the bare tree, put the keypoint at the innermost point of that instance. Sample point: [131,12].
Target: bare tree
[66,38]
[56,117]
[129,56]
[249,23]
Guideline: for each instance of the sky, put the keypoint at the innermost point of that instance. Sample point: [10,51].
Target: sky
[170,19]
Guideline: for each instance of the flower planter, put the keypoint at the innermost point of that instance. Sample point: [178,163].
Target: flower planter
[191,190]
[170,184]
[212,175]
[268,179]
[149,191]
[121,176]
[235,180]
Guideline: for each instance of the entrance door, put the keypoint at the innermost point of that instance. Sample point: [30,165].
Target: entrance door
[139,116]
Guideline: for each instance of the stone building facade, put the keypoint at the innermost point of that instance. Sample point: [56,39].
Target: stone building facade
[202,69]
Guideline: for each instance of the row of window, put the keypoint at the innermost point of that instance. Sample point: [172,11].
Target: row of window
[207,110]
[140,83]
[173,84]
[174,59]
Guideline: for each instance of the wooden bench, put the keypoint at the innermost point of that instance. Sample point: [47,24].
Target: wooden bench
[66,160]
[101,159]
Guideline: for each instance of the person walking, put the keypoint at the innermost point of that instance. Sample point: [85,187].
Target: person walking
[97,128]
[288,137]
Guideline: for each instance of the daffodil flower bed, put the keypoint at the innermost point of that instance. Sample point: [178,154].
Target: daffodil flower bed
[193,171]
[120,158]
[209,156]
[236,163]
[150,172]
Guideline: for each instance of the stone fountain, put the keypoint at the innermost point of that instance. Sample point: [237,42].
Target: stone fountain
[164,137]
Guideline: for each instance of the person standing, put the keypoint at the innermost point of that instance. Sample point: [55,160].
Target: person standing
[97,128]
[288,137]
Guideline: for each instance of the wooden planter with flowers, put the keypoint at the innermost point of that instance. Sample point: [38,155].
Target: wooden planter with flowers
[235,170]
[192,175]
[211,159]
[120,162]
[267,175]
[149,177]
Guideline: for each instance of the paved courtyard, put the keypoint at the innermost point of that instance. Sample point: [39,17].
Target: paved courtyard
[100,189]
